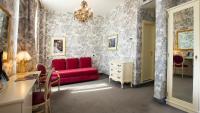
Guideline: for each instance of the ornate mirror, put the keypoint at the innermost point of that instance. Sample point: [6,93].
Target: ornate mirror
[4,30]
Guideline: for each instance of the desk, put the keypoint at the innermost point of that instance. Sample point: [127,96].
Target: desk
[188,58]
[17,97]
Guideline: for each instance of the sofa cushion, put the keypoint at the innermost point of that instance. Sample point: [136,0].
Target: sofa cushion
[85,62]
[77,72]
[72,63]
[59,64]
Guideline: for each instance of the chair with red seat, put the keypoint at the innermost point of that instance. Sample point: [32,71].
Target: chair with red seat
[43,75]
[178,62]
[41,99]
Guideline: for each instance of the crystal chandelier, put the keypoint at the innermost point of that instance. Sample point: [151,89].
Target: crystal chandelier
[84,13]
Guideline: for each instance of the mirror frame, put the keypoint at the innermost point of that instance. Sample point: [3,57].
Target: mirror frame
[177,39]
[8,30]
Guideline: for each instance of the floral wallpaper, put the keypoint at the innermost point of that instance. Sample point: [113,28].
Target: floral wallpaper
[122,21]
[82,39]
[183,20]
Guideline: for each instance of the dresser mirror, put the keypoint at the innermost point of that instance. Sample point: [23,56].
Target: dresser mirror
[4,30]
[183,67]
[183,56]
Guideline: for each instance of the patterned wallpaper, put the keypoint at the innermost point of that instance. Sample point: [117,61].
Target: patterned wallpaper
[3,30]
[82,39]
[26,36]
[90,39]
[183,20]
[122,21]
[147,14]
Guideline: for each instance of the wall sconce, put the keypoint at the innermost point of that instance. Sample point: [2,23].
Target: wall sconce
[22,58]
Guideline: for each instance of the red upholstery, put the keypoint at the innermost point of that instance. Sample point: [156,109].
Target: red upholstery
[38,98]
[85,62]
[73,73]
[69,80]
[72,63]
[178,61]
[77,72]
[41,68]
[59,64]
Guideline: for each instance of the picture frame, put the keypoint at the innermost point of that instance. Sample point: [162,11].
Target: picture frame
[184,39]
[113,42]
[58,46]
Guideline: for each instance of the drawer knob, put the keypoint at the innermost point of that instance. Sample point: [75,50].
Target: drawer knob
[118,77]
[119,65]
[119,71]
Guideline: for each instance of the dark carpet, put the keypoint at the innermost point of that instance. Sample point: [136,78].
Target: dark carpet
[183,88]
[101,97]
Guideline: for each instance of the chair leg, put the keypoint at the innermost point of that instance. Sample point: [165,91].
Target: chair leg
[59,85]
[49,106]
[182,71]
[46,108]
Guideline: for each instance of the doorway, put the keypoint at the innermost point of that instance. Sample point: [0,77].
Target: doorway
[148,51]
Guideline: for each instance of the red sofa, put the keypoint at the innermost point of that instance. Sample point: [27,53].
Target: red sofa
[74,70]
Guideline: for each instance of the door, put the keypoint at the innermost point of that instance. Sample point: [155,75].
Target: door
[148,50]
[183,52]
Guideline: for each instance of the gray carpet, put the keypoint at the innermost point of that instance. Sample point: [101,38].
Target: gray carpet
[183,88]
[100,97]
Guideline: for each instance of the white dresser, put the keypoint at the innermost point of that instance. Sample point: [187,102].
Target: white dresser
[121,71]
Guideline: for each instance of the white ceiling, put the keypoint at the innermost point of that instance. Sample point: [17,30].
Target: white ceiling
[99,7]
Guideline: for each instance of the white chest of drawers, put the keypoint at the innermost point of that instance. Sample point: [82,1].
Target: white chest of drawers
[121,71]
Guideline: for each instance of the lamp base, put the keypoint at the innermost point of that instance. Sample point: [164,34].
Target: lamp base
[22,66]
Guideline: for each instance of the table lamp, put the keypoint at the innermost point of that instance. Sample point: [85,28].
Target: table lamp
[5,56]
[22,58]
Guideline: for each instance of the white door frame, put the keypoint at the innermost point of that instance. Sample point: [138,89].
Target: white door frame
[153,64]
[180,104]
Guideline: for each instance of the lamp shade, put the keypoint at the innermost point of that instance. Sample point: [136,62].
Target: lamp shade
[23,55]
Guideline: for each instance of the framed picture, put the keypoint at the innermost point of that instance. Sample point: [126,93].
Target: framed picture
[58,46]
[184,39]
[112,42]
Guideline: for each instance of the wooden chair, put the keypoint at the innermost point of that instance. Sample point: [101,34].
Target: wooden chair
[42,99]
[43,75]
[178,61]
